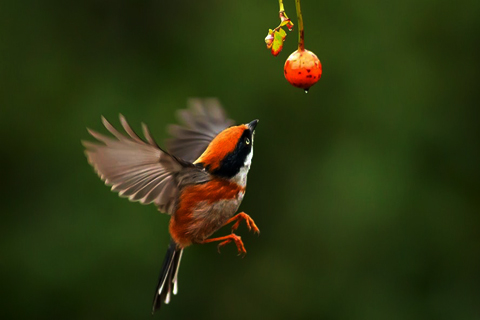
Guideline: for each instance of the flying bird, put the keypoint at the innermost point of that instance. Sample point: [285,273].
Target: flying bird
[199,179]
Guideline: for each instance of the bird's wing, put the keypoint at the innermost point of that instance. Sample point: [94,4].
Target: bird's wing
[201,123]
[138,169]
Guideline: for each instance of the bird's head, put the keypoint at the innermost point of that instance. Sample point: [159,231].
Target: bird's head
[230,151]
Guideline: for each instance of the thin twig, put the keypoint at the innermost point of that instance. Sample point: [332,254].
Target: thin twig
[301,42]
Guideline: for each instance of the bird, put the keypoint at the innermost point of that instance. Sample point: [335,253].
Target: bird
[199,179]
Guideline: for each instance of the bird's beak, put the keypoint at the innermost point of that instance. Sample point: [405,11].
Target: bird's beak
[253,124]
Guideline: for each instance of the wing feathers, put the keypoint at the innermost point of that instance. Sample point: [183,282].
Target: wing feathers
[135,168]
[147,135]
[130,131]
[202,122]
[112,130]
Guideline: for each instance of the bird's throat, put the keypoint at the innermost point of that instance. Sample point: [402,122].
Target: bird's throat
[241,177]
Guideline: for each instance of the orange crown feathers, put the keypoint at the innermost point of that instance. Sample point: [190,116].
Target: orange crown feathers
[224,143]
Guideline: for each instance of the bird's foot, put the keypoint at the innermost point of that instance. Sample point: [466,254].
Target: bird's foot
[238,243]
[226,240]
[249,221]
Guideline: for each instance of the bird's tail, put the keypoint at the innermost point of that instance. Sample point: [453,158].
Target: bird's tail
[167,283]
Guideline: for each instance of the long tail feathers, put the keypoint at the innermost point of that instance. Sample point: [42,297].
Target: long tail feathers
[167,283]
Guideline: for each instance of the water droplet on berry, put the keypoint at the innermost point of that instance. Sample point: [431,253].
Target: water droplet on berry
[306,90]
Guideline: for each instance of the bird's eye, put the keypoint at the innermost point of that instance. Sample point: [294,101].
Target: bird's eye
[247,141]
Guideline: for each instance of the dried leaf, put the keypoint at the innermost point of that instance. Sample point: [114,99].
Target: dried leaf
[285,21]
[269,38]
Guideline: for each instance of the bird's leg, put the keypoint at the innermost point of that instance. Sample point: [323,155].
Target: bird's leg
[243,216]
[226,240]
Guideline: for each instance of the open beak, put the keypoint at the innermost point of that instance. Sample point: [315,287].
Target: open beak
[253,124]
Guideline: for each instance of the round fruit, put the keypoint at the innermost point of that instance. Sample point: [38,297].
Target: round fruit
[302,69]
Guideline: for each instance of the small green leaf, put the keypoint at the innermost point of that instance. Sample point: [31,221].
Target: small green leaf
[276,37]
[279,37]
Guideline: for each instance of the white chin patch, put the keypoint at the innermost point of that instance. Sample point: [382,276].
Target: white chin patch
[241,177]
[248,160]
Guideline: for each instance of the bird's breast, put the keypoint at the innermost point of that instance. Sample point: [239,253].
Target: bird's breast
[204,208]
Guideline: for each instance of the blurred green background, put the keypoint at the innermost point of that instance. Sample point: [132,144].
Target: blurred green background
[366,190]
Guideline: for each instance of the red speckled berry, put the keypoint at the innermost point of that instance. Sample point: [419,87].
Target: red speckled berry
[303,69]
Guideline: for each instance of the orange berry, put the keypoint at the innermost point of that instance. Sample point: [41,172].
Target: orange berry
[302,69]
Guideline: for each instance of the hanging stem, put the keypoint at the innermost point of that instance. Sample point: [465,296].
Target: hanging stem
[301,43]
[280,2]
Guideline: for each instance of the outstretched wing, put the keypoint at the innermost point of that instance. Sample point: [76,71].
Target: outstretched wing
[138,170]
[202,122]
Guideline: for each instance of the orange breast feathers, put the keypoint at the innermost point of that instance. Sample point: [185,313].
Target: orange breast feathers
[211,192]
[223,144]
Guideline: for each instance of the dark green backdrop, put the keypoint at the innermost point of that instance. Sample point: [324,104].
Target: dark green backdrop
[366,190]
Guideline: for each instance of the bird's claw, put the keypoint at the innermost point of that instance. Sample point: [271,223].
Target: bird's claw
[249,221]
[238,242]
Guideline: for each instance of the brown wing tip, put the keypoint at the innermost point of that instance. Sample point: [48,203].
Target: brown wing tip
[88,145]
[148,136]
